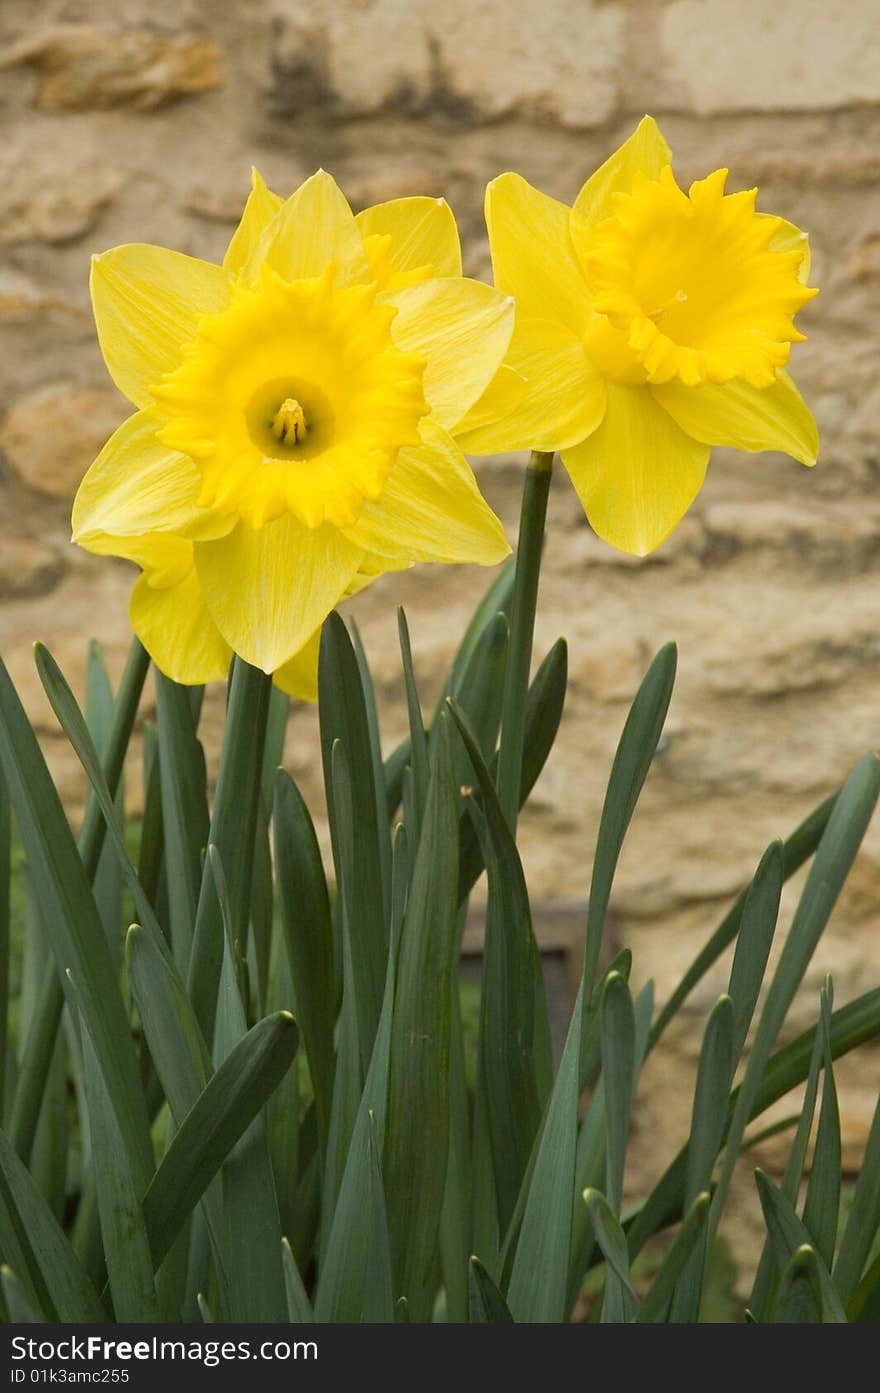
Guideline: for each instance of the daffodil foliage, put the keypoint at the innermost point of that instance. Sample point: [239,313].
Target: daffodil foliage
[652,323]
[294,437]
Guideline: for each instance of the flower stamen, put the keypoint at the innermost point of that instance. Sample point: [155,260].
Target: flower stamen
[289,422]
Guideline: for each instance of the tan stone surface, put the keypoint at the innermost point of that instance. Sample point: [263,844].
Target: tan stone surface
[772,584]
[51,436]
[793,55]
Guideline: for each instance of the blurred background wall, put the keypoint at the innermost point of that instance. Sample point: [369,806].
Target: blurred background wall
[139,121]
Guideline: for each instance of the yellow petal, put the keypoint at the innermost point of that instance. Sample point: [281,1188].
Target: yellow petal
[745,417]
[430,510]
[298,677]
[532,253]
[644,151]
[461,328]
[638,474]
[260,209]
[147,303]
[270,589]
[422,232]
[502,397]
[137,485]
[177,631]
[311,228]
[563,399]
[166,560]
[788,238]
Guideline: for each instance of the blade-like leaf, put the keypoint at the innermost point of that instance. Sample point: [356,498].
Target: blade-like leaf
[795,851]
[618,1029]
[55,1284]
[418,745]
[544,704]
[417,1125]
[800,1291]
[655,1304]
[787,1235]
[506,1075]
[822,1203]
[620,1302]
[299,1308]
[184,810]
[70,917]
[486,1305]
[305,914]
[233,832]
[225,1109]
[863,1219]
[343,717]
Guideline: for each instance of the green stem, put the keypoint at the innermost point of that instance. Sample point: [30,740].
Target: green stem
[533,513]
[233,833]
[46,1018]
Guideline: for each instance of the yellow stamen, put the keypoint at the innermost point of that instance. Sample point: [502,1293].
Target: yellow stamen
[289,422]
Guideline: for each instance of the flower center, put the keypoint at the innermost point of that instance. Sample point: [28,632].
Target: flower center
[294,399]
[289,423]
[691,286]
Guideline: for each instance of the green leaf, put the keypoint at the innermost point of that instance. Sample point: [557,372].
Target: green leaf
[486,1305]
[496,599]
[343,717]
[822,1203]
[709,1115]
[620,1300]
[418,745]
[183,784]
[656,1302]
[120,1187]
[506,1069]
[544,705]
[223,1112]
[798,849]
[379,1285]
[299,1308]
[800,1291]
[851,1026]
[5,931]
[632,760]
[250,1203]
[787,1235]
[863,1220]
[233,832]
[383,813]
[417,1131]
[476,695]
[708,1120]
[107,883]
[757,924]
[618,1068]
[342,1273]
[70,917]
[308,930]
[19,1310]
[54,1283]
[175,1041]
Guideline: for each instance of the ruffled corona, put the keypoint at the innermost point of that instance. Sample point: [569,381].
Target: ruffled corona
[693,284]
[294,399]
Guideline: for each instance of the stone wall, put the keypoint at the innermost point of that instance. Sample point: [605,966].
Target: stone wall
[140,121]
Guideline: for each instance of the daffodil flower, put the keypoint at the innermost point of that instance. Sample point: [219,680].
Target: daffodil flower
[294,436]
[651,325]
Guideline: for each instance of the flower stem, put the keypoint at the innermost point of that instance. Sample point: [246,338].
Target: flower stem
[533,513]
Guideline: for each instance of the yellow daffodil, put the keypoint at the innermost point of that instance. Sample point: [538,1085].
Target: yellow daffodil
[294,436]
[651,324]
